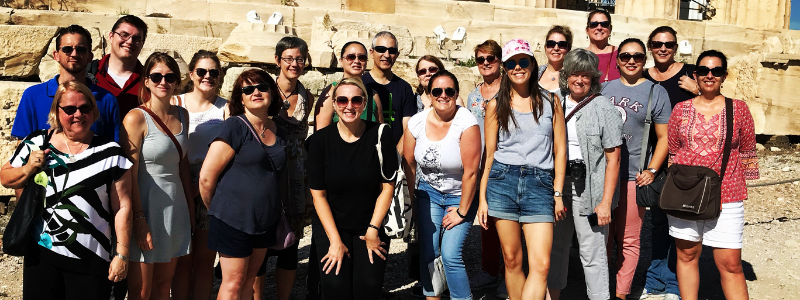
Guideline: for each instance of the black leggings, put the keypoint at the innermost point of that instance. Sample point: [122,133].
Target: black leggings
[358,278]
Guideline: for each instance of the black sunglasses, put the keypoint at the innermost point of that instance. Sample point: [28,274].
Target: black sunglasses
[523,63]
[716,71]
[213,73]
[431,70]
[481,59]
[357,101]
[72,109]
[604,24]
[553,44]
[353,56]
[262,87]
[658,45]
[638,57]
[450,92]
[156,77]
[382,49]
[79,49]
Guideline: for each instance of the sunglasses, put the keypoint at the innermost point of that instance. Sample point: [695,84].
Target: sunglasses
[357,101]
[262,87]
[638,57]
[156,77]
[352,57]
[450,92]
[604,24]
[553,44]
[522,63]
[72,109]
[78,49]
[481,59]
[382,49]
[716,71]
[213,73]
[431,70]
[658,45]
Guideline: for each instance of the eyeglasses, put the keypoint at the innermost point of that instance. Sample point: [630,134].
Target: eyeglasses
[78,49]
[481,59]
[450,92]
[72,109]
[213,73]
[127,36]
[357,101]
[522,63]
[716,71]
[638,57]
[431,70]
[299,60]
[382,49]
[169,77]
[553,44]
[353,56]
[658,45]
[604,24]
[262,87]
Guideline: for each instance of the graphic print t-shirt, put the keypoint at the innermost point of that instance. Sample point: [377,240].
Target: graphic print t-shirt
[398,100]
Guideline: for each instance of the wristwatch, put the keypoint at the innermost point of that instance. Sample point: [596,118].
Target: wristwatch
[123,257]
[652,170]
[557,194]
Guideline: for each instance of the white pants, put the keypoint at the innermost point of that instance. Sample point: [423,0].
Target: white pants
[725,232]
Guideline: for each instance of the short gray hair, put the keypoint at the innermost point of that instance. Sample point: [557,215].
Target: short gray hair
[384,34]
[578,61]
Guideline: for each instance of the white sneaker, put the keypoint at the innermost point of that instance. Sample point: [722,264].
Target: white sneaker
[502,291]
[672,297]
[645,294]
[482,280]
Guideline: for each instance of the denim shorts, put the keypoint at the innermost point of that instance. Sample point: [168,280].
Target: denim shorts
[520,193]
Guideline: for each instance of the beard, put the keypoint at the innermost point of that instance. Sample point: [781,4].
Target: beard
[74,68]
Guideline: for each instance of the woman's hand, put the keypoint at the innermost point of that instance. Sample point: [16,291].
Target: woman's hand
[118,269]
[603,211]
[689,84]
[483,214]
[142,233]
[36,160]
[374,244]
[560,210]
[451,219]
[334,257]
[644,178]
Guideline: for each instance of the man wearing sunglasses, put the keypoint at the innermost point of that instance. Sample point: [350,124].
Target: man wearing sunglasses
[120,70]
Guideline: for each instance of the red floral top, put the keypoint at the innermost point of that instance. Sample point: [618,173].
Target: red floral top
[695,141]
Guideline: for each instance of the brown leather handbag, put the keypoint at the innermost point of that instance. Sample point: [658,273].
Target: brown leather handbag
[695,192]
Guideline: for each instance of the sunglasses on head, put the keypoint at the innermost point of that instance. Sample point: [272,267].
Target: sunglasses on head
[716,71]
[72,109]
[352,57]
[156,77]
[481,59]
[213,73]
[522,63]
[604,24]
[262,87]
[450,92]
[357,101]
[382,49]
[553,44]
[638,57]
[658,45]
[431,70]
[78,49]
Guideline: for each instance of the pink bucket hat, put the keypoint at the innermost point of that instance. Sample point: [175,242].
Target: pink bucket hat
[516,46]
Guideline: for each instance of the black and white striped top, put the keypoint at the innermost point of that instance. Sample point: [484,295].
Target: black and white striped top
[77,222]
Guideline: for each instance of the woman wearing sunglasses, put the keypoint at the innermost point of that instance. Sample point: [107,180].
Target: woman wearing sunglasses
[632,94]
[598,28]
[525,146]
[155,136]
[239,182]
[352,182]
[697,132]
[446,185]
[427,66]
[353,60]
[558,43]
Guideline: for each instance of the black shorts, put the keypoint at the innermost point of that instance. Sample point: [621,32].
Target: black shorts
[235,243]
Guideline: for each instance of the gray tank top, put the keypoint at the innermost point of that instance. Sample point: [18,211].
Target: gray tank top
[528,144]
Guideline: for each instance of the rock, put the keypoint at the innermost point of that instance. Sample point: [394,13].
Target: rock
[792,243]
[10,93]
[48,68]
[186,46]
[760,147]
[786,169]
[774,149]
[253,43]
[23,48]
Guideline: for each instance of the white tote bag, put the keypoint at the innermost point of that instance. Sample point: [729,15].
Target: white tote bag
[397,223]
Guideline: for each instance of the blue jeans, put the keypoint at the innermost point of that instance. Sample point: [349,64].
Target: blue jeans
[661,273]
[432,207]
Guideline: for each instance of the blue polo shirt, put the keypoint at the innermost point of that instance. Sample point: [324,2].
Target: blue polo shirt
[34,108]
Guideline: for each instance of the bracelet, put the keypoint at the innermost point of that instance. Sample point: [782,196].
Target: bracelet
[123,257]
[137,218]
[121,244]
[375,227]
[460,215]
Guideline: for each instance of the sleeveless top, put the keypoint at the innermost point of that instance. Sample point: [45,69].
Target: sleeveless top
[295,129]
[203,128]
[162,195]
[529,143]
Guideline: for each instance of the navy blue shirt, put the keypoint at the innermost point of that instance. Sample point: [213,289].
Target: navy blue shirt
[34,109]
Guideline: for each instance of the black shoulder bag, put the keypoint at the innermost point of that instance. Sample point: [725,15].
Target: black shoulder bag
[695,192]
[648,195]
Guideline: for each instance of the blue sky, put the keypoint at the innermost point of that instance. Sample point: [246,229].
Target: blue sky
[795,22]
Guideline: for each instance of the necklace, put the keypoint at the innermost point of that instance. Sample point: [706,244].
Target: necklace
[286,103]
[263,131]
[71,156]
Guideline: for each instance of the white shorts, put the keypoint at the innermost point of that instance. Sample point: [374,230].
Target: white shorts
[725,232]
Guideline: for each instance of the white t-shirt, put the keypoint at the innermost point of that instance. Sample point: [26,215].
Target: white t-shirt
[439,162]
[573,147]
[203,128]
[120,80]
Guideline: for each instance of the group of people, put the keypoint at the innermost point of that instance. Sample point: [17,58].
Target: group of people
[165,179]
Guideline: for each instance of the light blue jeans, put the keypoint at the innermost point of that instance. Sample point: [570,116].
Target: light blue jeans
[432,207]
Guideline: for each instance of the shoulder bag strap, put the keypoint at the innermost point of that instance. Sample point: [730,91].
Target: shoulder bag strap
[380,153]
[255,136]
[580,105]
[726,152]
[166,129]
[648,121]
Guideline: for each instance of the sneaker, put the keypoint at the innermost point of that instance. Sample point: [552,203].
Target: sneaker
[671,297]
[482,280]
[646,294]
[502,291]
